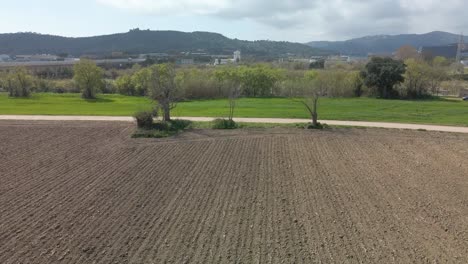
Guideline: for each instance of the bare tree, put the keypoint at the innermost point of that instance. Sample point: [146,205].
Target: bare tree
[318,83]
[233,96]
[163,88]
[232,78]
[407,52]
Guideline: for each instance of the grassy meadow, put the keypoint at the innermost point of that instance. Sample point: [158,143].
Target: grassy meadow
[435,111]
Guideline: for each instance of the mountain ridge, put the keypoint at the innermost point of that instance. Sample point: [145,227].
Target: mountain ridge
[386,43]
[138,41]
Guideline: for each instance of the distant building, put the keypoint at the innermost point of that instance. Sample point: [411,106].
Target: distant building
[153,55]
[220,61]
[44,57]
[4,57]
[37,57]
[186,61]
[335,60]
[302,60]
[237,56]
[447,51]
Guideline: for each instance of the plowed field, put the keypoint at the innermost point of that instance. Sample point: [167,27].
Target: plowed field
[88,193]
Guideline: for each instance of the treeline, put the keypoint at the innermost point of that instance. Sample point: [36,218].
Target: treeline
[380,77]
[20,79]
[260,80]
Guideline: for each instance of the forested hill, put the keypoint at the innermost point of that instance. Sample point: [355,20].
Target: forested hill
[386,43]
[146,41]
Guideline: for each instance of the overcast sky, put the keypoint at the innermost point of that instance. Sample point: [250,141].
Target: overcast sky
[292,20]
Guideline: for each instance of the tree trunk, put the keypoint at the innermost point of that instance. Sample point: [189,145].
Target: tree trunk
[385,93]
[314,112]
[314,119]
[166,113]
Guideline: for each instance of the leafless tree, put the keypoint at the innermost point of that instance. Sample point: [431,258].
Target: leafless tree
[163,88]
[318,83]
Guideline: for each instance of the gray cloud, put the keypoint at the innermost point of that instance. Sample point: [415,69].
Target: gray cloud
[336,19]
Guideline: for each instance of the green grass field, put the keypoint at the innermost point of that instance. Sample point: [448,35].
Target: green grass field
[437,111]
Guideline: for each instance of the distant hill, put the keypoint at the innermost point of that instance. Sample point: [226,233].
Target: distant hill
[386,43]
[146,41]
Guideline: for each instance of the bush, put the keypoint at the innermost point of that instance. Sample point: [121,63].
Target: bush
[162,126]
[144,119]
[199,84]
[173,125]
[108,87]
[177,125]
[224,124]
[162,129]
[65,86]
[318,126]
[19,83]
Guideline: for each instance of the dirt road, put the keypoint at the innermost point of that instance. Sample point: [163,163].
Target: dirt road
[85,192]
[247,120]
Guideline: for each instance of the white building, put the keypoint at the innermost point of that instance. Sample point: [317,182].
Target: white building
[37,57]
[186,61]
[4,57]
[223,61]
[237,56]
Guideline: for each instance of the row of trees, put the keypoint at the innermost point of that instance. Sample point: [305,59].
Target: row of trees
[381,77]
[87,77]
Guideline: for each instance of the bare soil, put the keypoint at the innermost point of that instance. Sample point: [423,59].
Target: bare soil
[78,192]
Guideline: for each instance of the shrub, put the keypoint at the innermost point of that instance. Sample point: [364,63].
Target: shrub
[19,83]
[178,124]
[173,125]
[59,90]
[162,126]
[224,124]
[125,85]
[108,87]
[199,83]
[162,129]
[144,119]
[65,86]
[318,126]
[155,112]
[43,85]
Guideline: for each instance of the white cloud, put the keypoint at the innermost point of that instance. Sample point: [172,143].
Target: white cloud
[170,7]
[224,8]
[336,19]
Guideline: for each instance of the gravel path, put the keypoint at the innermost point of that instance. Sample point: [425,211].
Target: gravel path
[245,120]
